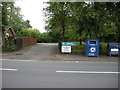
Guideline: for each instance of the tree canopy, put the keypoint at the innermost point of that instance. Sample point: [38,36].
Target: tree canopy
[78,21]
[11,16]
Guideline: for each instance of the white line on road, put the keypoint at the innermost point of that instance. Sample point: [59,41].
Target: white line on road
[88,72]
[7,69]
[17,60]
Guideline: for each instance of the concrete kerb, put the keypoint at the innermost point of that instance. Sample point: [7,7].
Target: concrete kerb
[71,57]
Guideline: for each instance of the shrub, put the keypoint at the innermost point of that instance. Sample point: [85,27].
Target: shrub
[31,33]
[78,49]
[81,49]
[11,47]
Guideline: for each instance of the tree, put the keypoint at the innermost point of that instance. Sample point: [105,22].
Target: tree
[4,15]
[109,16]
[83,20]
[11,16]
[57,15]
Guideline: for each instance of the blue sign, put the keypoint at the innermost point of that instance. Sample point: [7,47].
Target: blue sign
[68,43]
[92,48]
[113,49]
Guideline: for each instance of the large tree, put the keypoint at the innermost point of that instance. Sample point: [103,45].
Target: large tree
[109,17]
[57,16]
[84,20]
[11,16]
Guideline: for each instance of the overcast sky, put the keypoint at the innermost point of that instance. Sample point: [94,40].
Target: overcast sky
[32,10]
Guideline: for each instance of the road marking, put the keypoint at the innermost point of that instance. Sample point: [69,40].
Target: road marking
[88,72]
[7,69]
[17,60]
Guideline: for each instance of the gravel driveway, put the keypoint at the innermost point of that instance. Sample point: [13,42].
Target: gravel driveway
[50,52]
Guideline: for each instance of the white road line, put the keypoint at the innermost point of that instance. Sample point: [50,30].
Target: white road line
[88,72]
[17,60]
[7,69]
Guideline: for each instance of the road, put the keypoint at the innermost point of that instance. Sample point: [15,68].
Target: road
[42,66]
[59,74]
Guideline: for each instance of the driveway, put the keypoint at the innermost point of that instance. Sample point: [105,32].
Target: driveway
[50,52]
[39,51]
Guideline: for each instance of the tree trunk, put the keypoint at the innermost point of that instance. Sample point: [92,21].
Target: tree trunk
[63,33]
[80,38]
[80,41]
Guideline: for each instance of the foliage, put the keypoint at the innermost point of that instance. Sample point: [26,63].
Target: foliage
[57,14]
[103,48]
[11,16]
[80,21]
[78,49]
[81,49]
[31,33]
[9,46]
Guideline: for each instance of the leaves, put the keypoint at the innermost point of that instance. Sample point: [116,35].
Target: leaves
[31,33]
[11,16]
[79,20]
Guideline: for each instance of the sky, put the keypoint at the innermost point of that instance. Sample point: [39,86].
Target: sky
[32,10]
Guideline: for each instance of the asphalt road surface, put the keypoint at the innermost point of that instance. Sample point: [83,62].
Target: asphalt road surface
[59,74]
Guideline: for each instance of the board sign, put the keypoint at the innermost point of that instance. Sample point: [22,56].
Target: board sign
[68,43]
[66,49]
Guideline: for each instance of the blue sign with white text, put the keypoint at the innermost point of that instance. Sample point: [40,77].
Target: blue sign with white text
[68,43]
[92,48]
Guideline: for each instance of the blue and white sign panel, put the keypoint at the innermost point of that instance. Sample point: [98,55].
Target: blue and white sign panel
[68,43]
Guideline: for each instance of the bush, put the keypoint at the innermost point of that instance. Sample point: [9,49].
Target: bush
[78,49]
[11,47]
[31,33]
[81,49]
[8,44]
[103,48]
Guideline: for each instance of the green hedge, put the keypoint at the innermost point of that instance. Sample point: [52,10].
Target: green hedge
[103,48]
[81,49]
[78,49]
